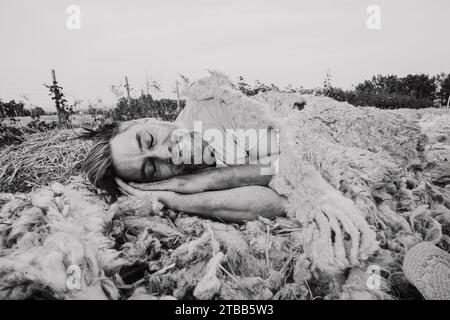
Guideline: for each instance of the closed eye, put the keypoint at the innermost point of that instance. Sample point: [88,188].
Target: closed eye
[145,140]
[149,140]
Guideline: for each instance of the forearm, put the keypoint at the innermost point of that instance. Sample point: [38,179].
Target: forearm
[234,205]
[211,180]
[232,177]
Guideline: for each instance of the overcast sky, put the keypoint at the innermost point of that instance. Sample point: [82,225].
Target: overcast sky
[279,41]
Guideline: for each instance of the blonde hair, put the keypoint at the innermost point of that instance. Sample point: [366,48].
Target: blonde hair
[98,165]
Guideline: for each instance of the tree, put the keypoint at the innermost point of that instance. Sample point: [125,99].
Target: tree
[443,85]
[381,85]
[387,92]
[259,86]
[36,112]
[327,88]
[56,92]
[146,107]
[13,109]
[420,86]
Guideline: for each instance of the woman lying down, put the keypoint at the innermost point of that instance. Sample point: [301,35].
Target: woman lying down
[220,156]
[201,164]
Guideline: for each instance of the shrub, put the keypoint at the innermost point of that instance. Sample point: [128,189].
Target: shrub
[379,100]
[10,134]
[146,107]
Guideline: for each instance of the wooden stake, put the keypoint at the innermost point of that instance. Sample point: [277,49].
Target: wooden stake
[127,86]
[63,115]
[58,107]
[178,98]
[448,102]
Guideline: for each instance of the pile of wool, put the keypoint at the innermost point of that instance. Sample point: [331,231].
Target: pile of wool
[52,245]
[173,255]
[394,166]
[56,237]
[357,179]
[135,250]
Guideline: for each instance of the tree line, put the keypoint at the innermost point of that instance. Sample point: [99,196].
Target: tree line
[143,106]
[13,108]
[382,91]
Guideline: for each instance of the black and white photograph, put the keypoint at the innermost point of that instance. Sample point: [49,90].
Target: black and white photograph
[215,157]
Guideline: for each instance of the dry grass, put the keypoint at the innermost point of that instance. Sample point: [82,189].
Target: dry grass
[42,158]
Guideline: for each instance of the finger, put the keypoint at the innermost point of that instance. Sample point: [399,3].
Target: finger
[123,192]
[123,187]
[120,182]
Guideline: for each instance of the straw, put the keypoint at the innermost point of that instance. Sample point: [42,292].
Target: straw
[40,159]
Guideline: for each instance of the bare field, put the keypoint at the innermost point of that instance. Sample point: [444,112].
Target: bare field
[77,120]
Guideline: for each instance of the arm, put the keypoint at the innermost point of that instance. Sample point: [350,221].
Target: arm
[210,180]
[234,205]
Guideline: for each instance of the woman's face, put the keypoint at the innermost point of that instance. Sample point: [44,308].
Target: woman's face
[142,151]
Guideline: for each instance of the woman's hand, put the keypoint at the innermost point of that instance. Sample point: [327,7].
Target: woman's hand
[128,190]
